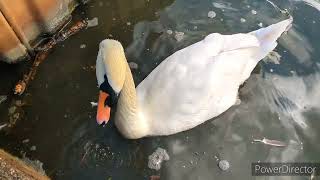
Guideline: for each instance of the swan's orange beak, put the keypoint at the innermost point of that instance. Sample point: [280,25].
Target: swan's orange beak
[103,112]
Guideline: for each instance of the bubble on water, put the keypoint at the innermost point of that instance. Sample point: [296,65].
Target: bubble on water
[254,12]
[179,36]
[243,20]
[211,14]
[156,158]
[169,31]
[224,165]
[93,22]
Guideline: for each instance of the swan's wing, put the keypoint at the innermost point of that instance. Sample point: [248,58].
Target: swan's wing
[200,81]
[194,84]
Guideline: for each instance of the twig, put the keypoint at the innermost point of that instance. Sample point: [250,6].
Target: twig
[271,142]
[44,52]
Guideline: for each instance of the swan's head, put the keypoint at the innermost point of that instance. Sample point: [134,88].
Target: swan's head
[110,71]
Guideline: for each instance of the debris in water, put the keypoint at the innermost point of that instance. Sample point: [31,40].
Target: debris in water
[26,141]
[33,148]
[211,14]
[271,142]
[133,65]
[195,27]
[260,24]
[242,20]
[128,23]
[274,57]
[271,70]
[82,46]
[156,158]
[3,98]
[254,12]
[93,22]
[223,6]
[169,31]
[43,52]
[238,101]
[94,104]
[179,36]
[224,165]
[3,126]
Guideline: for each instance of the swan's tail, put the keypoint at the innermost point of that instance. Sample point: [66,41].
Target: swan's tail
[273,32]
[268,36]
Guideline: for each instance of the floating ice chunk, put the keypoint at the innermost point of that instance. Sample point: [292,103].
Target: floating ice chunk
[179,36]
[224,165]
[223,6]
[169,31]
[156,158]
[243,20]
[82,46]
[254,12]
[93,22]
[133,65]
[211,14]
[3,98]
[94,104]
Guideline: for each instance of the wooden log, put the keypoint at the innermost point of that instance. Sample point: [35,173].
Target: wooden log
[13,168]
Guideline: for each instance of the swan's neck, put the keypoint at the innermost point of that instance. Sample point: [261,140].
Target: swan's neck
[129,120]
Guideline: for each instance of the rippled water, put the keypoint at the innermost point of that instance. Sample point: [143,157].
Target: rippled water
[278,101]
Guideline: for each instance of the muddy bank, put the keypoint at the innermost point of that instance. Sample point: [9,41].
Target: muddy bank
[13,168]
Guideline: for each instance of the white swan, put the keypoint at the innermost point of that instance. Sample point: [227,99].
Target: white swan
[189,87]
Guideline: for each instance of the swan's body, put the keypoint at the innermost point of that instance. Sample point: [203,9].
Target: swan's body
[191,86]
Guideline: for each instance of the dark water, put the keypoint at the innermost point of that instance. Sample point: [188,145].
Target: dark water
[279,101]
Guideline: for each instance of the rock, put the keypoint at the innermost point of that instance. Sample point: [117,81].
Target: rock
[224,165]
[211,14]
[156,158]
[93,22]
